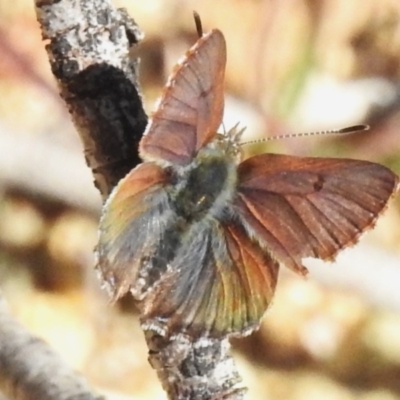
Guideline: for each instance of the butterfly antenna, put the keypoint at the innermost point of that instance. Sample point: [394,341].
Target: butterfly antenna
[199,25]
[224,128]
[342,131]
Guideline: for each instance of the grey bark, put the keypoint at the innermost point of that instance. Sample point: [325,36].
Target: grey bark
[30,370]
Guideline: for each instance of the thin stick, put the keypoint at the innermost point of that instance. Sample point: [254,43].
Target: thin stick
[199,25]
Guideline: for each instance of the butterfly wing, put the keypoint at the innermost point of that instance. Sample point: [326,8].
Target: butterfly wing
[133,225]
[222,282]
[310,207]
[191,107]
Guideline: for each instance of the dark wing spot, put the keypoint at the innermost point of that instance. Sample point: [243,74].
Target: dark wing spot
[319,183]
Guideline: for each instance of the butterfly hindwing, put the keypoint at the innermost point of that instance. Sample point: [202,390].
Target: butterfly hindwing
[191,107]
[310,207]
[132,228]
[221,283]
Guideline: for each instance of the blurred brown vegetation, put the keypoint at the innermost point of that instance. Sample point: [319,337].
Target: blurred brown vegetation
[293,65]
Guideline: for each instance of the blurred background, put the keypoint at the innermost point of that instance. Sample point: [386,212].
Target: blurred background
[293,66]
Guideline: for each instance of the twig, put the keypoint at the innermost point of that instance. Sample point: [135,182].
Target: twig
[30,370]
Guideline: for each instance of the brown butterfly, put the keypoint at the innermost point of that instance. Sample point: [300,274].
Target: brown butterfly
[197,235]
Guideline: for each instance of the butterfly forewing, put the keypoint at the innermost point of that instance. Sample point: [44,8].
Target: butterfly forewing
[222,283]
[191,107]
[310,207]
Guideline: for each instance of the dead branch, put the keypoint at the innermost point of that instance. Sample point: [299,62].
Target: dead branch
[89,55]
[30,370]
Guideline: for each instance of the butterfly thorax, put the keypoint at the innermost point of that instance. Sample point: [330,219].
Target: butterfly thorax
[207,185]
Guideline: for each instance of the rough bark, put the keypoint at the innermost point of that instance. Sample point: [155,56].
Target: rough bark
[88,48]
[195,369]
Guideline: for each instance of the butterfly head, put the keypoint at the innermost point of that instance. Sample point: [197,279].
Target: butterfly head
[230,142]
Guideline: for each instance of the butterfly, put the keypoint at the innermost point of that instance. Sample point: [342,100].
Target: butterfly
[198,235]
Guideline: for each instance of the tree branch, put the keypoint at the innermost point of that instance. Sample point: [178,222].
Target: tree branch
[30,370]
[89,55]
